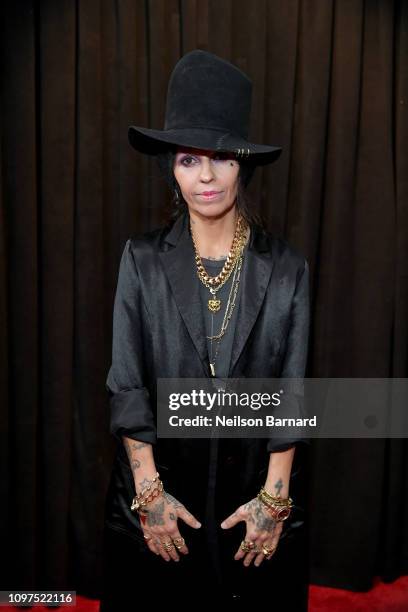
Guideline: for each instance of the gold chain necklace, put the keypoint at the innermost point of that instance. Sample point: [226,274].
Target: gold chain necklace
[228,313]
[214,283]
[231,302]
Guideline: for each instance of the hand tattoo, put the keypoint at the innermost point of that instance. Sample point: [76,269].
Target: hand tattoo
[155,515]
[172,500]
[256,514]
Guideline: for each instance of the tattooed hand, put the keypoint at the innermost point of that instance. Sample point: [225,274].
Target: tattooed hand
[160,526]
[261,531]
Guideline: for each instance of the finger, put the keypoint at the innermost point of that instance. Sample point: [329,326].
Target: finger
[188,518]
[270,541]
[153,548]
[170,550]
[260,557]
[233,519]
[151,544]
[249,558]
[249,537]
[179,542]
[274,539]
[161,550]
[268,550]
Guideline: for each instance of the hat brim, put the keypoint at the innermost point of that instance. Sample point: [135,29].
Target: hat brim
[152,142]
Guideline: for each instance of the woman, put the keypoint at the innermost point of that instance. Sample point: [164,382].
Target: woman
[211,295]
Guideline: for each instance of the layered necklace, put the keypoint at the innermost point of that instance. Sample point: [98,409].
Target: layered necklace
[233,265]
[214,283]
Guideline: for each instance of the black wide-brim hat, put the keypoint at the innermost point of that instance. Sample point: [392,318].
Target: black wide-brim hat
[208,107]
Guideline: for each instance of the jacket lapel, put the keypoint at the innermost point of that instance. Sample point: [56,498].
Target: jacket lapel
[179,265]
[255,275]
[177,257]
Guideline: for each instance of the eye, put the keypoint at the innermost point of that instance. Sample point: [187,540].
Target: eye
[187,160]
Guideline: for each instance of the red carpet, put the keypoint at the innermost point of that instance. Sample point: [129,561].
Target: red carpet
[390,597]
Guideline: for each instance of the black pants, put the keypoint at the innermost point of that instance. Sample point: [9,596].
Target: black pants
[133,575]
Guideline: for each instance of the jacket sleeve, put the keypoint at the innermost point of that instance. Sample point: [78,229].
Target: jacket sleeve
[295,358]
[130,407]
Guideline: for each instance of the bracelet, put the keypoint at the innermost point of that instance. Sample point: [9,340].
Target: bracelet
[147,495]
[275,500]
[148,487]
[138,504]
[277,507]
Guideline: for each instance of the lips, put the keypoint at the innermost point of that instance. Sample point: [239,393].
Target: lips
[209,193]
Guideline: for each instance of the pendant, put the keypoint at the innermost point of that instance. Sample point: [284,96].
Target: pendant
[212,369]
[214,304]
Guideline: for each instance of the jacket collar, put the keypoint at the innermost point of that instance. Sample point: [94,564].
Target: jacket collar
[177,256]
[258,241]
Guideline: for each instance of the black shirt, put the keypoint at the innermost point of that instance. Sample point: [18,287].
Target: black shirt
[213,321]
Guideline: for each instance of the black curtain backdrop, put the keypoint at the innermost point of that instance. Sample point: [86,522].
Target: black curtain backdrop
[331,87]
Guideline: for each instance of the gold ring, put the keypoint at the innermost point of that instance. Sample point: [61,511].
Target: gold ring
[268,550]
[167,545]
[247,545]
[179,543]
[147,537]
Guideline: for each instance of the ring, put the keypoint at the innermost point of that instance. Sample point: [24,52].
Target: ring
[268,551]
[179,543]
[167,545]
[247,546]
[147,537]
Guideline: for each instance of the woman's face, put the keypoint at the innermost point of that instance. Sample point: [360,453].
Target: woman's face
[208,180]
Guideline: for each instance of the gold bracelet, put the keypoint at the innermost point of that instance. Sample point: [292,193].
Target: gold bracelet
[149,487]
[138,499]
[268,502]
[138,503]
[279,511]
[277,500]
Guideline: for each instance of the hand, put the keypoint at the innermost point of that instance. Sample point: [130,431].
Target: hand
[262,531]
[160,527]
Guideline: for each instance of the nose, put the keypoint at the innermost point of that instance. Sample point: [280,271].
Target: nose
[206,170]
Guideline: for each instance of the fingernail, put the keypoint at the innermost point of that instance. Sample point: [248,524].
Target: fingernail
[198,525]
[223,525]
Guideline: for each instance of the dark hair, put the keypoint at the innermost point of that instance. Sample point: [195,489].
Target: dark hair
[165,162]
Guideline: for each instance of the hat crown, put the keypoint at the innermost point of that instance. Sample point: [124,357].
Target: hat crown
[206,91]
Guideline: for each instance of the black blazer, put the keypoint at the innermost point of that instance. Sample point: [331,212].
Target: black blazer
[158,331]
